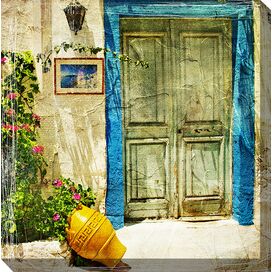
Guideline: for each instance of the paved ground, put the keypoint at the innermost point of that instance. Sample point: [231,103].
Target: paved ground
[177,239]
[189,246]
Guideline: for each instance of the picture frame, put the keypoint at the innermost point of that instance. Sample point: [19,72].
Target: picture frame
[79,76]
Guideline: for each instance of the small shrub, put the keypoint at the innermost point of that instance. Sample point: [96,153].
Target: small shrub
[59,206]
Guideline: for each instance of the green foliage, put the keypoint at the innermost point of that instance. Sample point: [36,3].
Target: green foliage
[23,164]
[27,206]
[38,218]
[19,123]
[45,58]
[57,208]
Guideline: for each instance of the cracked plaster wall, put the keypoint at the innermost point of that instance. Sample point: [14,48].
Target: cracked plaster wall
[262,59]
[72,127]
[21,27]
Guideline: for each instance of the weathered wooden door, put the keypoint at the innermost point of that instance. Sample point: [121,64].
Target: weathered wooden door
[177,117]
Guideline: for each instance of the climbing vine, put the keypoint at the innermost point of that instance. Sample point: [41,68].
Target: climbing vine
[45,58]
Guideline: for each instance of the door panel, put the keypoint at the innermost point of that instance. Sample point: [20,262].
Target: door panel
[177,117]
[146,126]
[147,169]
[145,94]
[146,190]
[202,169]
[203,84]
[200,75]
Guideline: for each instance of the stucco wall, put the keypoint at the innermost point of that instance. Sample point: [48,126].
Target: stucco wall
[73,127]
[21,25]
[262,57]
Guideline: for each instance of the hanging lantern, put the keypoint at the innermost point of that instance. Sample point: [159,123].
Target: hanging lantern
[75,14]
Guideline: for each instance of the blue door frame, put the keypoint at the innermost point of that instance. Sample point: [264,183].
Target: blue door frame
[243,95]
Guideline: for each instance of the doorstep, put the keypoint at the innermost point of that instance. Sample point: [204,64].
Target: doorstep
[186,240]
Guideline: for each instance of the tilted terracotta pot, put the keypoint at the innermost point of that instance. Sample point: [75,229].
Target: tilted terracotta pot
[92,236]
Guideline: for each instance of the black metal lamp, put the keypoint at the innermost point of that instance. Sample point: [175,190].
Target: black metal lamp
[75,14]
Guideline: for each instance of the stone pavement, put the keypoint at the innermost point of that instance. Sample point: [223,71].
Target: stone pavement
[177,239]
[174,245]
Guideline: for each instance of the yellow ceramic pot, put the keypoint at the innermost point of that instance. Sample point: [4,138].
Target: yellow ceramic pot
[92,236]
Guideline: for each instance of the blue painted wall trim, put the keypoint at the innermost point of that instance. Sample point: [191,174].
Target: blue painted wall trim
[243,121]
[243,95]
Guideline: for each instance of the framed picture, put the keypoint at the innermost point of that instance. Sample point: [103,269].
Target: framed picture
[79,76]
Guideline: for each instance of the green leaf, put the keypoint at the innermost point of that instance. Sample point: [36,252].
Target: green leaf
[49,63]
[44,172]
[10,226]
[66,47]
[57,49]
[30,95]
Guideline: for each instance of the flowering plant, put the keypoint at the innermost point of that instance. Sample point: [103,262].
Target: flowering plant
[66,196]
[19,122]
[23,164]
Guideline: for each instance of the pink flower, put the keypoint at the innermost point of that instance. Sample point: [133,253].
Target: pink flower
[38,149]
[56,217]
[26,127]
[10,112]
[57,183]
[4,60]
[76,196]
[36,117]
[11,96]
[13,128]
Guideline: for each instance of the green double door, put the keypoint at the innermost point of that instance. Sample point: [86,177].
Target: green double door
[177,117]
